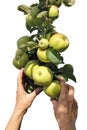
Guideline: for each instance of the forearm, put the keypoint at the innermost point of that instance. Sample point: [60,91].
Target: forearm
[15,121]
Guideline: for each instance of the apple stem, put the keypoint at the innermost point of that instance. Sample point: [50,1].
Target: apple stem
[46,3]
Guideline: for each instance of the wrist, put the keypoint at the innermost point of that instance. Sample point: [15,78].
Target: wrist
[67,127]
[18,113]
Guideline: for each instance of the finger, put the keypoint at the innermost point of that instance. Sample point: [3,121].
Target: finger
[20,75]
[54,102]
[71,93]
[36,92]
[75,106]
[20,79]
[75,109]
[64,90]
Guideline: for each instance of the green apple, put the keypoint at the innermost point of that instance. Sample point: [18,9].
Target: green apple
[29,19]
[22,40]
[41,54]
[59,42]
[53,11]
[56,2]
[29,67]
[20,61]
[52,1]
[42,14]
[42,75]
[43,43]
[53,90]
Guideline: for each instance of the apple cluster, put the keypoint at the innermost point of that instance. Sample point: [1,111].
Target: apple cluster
[40,53]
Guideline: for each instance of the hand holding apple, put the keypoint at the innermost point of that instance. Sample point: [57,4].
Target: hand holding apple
[42,75]
[53,90]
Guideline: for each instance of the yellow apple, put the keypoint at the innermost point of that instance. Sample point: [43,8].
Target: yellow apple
[59,42]
[42,55]
[53,90]
[42,75]
[43,43]
[53,11]
[29,68]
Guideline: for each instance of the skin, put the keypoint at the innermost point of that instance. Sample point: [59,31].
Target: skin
[65,108]
[23,102]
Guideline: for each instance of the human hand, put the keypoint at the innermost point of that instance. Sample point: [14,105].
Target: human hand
[23,99]
[65,108]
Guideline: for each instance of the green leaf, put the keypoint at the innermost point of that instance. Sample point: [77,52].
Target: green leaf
[31,45]
[53,67]
[24,9]
[54,56]
[67,71]
[34,11]
[68,2]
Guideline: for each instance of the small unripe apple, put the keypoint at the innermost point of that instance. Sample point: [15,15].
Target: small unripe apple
[53,11]
[58,3]
[43,43]
[52,1]
[53,90]
[29,19]
[59,42]
[42,75]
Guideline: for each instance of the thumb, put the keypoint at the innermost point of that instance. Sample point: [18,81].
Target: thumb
[36,92]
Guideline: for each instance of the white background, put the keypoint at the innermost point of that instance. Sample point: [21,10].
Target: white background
[73,23]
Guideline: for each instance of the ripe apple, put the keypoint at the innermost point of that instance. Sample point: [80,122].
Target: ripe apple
[29,68]
[53,11]
[42,55]
[53,90]
[59,42]
[42,75]
[43,43]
